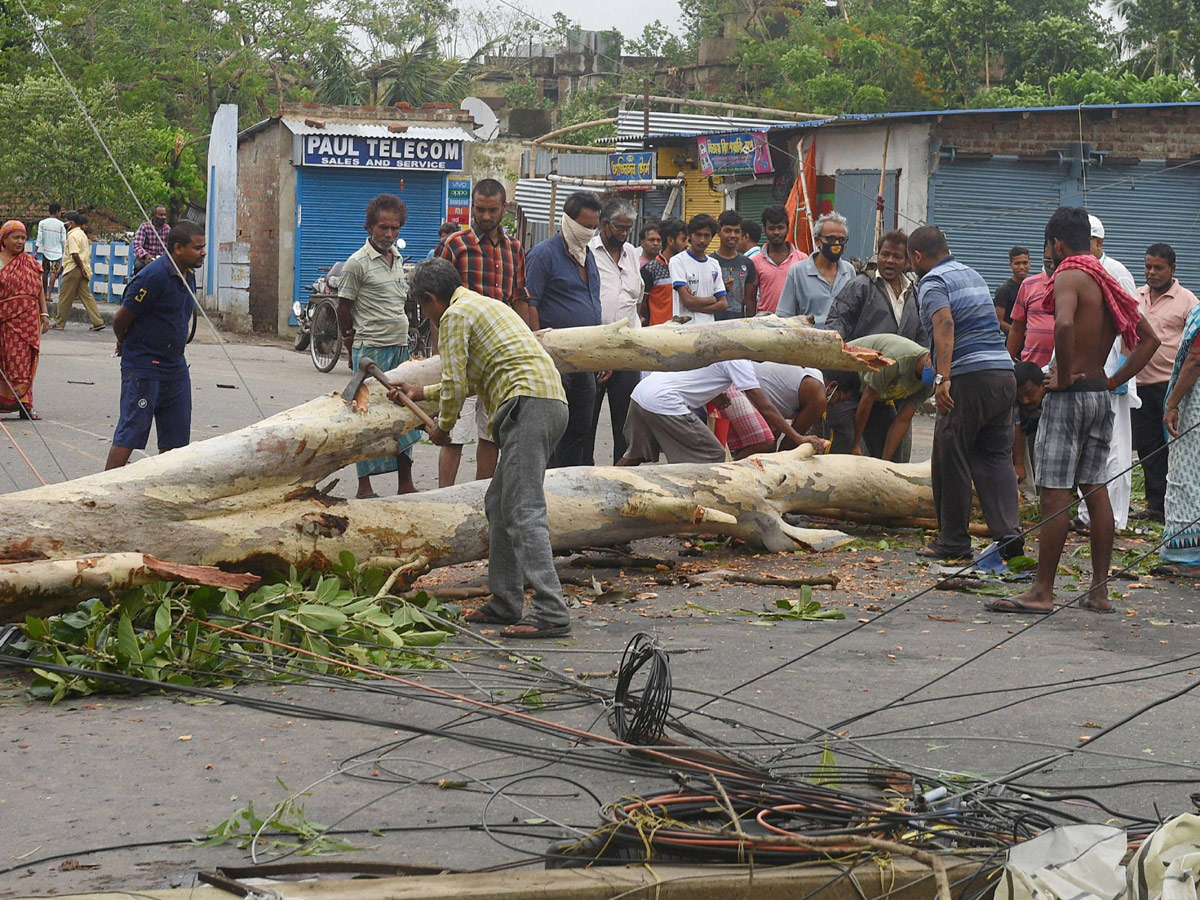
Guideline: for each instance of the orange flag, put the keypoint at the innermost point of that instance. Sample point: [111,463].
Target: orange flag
[801,199]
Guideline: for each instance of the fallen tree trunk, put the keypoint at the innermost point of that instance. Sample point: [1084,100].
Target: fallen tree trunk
[588,507]
[257,466]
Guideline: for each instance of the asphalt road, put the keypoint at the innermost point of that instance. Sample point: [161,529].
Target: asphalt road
[999,691]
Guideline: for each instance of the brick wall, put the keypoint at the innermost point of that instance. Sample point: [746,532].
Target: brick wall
[258,222]
[1156,133]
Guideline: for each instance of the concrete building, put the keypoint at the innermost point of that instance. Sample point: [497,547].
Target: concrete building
[991,178]
[304,179]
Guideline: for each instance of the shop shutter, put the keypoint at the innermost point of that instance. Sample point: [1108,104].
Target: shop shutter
[987,206]
[1142,204]
[855,198]
[751,201]
[331,206]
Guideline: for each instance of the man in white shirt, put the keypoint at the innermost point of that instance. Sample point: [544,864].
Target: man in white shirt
[51,238]
[620,294]
[661,420]
[699,288]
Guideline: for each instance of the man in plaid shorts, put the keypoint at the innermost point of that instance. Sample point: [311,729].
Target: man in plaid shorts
[1090,309]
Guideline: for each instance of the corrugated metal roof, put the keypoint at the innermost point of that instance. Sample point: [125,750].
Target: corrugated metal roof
[364,129]
[630,123]
[587,164]
[533,196]
[859,118]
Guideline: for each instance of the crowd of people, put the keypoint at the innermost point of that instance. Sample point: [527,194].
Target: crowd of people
[1059,376]
[1034,382]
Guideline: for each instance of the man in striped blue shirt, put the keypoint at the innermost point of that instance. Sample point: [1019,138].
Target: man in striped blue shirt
[974,390]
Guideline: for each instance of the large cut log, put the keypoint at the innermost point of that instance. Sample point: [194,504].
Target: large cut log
[587,507]
[256,466]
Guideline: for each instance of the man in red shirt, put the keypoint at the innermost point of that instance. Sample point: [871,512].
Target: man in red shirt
[772,264]
[1031,337]
[491,263]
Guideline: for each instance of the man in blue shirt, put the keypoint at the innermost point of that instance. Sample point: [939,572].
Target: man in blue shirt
[152,330]
[563,284]
[812,284]
[974,390]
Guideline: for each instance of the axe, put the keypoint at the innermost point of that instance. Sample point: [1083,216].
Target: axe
[367,368]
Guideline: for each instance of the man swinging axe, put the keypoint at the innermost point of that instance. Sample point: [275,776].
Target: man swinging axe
[487,349]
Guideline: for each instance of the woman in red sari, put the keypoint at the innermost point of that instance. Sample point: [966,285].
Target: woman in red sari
[23,320]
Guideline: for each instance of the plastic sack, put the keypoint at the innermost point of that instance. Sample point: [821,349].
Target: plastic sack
[1167,865]
[1071,862]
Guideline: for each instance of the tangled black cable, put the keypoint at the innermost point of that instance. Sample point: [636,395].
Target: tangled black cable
[639,718]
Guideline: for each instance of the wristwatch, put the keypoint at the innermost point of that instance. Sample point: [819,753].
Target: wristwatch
[938,379]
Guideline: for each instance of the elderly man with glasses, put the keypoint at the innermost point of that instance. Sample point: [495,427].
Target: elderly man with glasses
[812,284]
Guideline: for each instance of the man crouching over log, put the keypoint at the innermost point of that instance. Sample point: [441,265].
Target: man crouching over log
[486,349]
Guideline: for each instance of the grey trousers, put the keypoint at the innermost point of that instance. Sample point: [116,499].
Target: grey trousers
[527,430]
[839,427]
[973,443]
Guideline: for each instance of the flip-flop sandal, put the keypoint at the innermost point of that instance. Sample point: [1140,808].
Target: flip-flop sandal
[1099,611]
[1012,605]
[540,630]
[29,414]
[370,496]
[484,616]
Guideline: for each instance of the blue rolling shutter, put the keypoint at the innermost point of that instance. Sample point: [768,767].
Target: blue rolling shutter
[331,205]
[855,198]
[1142,204]
[987,206]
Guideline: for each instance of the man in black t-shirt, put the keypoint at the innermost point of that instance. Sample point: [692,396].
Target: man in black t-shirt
[1006,294]
[738,272]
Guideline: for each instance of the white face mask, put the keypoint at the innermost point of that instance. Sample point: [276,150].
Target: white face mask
[577,238]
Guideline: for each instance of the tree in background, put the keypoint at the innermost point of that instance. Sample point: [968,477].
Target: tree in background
[37,115]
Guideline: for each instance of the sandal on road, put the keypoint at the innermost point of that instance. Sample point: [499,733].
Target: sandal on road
[485,616]
[1013,605]
[532,628]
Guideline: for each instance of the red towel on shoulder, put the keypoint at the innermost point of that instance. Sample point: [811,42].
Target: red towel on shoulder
[1122,307]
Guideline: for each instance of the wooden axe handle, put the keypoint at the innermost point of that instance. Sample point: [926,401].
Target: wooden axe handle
[405,399]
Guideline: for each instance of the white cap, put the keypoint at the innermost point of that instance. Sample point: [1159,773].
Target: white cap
[1097,227]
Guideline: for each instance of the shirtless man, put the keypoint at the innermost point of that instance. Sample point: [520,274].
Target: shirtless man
[1075,430]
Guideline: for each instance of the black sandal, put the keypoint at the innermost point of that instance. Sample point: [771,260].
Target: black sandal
[540,629]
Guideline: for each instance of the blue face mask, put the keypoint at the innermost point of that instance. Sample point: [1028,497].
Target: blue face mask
[927,375]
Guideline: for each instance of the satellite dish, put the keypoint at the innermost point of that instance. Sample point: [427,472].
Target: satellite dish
[487,126]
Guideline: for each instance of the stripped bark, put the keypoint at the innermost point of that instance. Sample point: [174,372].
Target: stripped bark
[588,507]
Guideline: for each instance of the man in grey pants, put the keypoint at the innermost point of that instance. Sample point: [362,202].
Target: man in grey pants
[974,389]
[486,349]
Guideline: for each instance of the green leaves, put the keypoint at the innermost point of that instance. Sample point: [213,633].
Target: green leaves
[162,633]
[804,608]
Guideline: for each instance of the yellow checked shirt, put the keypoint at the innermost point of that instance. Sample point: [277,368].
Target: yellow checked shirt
[487,349]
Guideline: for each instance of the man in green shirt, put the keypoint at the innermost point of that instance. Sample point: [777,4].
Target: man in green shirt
[487,349]
[907,383]
[371,295]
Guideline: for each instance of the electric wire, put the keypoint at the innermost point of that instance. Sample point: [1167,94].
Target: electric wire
[913,597]
[196,305]
[28,415]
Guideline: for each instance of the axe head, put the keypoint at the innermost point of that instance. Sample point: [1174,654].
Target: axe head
[365,365]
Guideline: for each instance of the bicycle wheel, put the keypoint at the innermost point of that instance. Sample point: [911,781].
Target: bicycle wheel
[326,345]
[192,330]
[420,339]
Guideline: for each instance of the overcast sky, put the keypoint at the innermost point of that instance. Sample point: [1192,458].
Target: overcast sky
[627,16]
